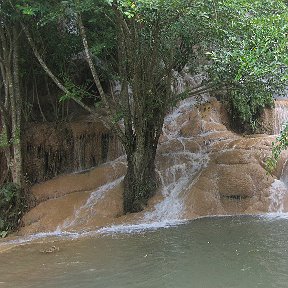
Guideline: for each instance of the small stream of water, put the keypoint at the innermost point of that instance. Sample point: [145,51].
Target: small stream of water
[281,116]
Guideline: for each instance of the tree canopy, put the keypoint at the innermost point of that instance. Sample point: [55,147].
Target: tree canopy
[251,55]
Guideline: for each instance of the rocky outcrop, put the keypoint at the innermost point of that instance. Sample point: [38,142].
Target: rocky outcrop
[235,180]
[60,200]
[204,169]
[78,182]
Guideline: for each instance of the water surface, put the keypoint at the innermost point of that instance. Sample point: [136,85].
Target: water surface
[220,252]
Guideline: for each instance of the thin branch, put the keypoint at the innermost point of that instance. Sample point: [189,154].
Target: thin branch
[49,72]
[114,126]
[90,61]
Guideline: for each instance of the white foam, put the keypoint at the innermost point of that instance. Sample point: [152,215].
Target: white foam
[141,227]
[171,122]
[109,230]
[40,236]
[275,216]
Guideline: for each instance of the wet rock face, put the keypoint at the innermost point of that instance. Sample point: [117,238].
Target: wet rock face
[52,149]
[272,120]
[267,121]
[78,182]
[235,180]
[231,186]
[280,115]
[77,201]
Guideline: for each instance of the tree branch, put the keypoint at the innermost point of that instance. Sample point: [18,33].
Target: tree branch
[114,126]
[50,73]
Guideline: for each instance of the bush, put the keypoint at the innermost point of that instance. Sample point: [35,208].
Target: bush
[246,107]
[12,205]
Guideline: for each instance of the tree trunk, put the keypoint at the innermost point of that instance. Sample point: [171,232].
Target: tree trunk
[140,181]
[16,113]
[11,105]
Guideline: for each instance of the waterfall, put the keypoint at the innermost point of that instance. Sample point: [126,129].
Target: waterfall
[277,193]
[279,187]
[182,170]
[281,115]
[203,169]
[177,167]
[86,212]
[175,180]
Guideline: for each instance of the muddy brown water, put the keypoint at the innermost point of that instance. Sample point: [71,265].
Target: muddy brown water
[240,252]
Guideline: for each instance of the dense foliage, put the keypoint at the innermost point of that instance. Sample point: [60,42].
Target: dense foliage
[12,206]
[244,40]
[248,50]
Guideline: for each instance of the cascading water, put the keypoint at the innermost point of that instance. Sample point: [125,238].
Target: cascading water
[279,187]
[277,193]
[281,115]
[86,212]
[181,172]
[176,169]
[175,180]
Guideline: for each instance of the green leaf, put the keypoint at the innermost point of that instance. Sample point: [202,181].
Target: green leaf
[3,234]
